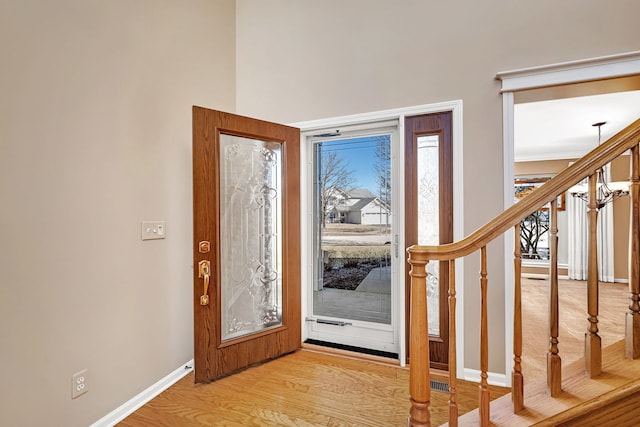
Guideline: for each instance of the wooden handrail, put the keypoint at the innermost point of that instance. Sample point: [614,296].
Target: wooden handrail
[420,256]
[584,167]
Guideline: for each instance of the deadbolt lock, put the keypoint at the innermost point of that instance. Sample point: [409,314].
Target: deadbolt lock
[204,247]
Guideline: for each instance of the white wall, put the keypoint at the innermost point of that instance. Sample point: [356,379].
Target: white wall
[95,136]
[304,60]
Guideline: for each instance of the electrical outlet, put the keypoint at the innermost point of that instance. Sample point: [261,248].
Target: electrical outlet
[79,383]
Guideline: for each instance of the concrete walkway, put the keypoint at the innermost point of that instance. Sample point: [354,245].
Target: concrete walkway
[377,281]
[370,302]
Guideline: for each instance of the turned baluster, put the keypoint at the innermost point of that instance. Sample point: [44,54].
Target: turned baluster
[484,342]
[633,315]
[593,343]
[419,379]
[554,365]
[517,379]
[453,401]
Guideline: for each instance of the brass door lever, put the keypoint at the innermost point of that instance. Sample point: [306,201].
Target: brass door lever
[204,271]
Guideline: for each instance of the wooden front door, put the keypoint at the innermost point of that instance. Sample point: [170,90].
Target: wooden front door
[429,216]
[246,249]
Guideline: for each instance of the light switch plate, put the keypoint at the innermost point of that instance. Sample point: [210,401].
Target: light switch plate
[153,230]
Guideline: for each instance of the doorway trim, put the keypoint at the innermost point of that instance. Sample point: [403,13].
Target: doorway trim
[399,114]
[584,70]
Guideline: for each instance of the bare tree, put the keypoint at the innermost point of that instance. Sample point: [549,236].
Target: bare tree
[532,228]
[334,175]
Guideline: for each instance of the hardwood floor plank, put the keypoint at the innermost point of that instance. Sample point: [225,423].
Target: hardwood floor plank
[300,389]
[232,403]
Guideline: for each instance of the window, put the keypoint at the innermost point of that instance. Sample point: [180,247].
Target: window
[534,229]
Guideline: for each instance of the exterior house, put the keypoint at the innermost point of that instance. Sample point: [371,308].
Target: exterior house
[95,137]
[357,206]
[369,211]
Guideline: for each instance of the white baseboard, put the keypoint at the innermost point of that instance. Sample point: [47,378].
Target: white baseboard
[133,404]
[473,375]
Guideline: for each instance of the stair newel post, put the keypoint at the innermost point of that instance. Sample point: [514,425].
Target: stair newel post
[554,364]
[484,342]
[419,378]
[593,343]
[453,399]
[517,379]
[633,315]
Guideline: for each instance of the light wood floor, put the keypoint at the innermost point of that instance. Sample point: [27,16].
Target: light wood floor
[301,389]
[310,389]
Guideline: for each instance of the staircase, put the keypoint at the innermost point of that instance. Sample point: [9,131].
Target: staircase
[582,401]
[595,387]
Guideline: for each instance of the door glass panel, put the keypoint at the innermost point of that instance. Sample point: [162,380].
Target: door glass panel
[428,219]
[352,219]
[250,235]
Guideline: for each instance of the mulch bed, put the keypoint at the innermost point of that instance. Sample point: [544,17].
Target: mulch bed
[347,278]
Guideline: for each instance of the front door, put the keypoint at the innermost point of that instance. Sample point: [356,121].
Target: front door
[246,198]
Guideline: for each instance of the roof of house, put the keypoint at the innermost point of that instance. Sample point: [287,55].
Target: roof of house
[359,193]
[361,203]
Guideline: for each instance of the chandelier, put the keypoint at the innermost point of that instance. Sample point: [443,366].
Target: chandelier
[605,192]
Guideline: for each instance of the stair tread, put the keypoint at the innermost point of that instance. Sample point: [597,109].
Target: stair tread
[577,389]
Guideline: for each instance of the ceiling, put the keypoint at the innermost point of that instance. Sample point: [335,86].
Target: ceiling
[561,128]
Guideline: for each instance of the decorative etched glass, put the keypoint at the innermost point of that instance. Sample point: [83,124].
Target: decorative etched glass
[250,235]
[429,220]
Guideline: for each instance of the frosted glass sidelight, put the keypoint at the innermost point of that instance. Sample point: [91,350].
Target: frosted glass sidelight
[250,235]
[429,219]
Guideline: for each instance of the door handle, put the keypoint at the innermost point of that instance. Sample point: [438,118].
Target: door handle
[204,272]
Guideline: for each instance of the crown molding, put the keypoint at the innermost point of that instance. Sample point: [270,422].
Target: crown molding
[611,66]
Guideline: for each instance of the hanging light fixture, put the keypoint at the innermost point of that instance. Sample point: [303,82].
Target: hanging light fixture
[605,192]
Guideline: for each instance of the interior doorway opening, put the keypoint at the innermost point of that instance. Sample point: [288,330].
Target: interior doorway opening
[590,76]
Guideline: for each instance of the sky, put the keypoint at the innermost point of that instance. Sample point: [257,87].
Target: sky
[359,154]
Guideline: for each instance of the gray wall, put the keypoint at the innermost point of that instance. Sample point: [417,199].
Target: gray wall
[304,60]
[95,136]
